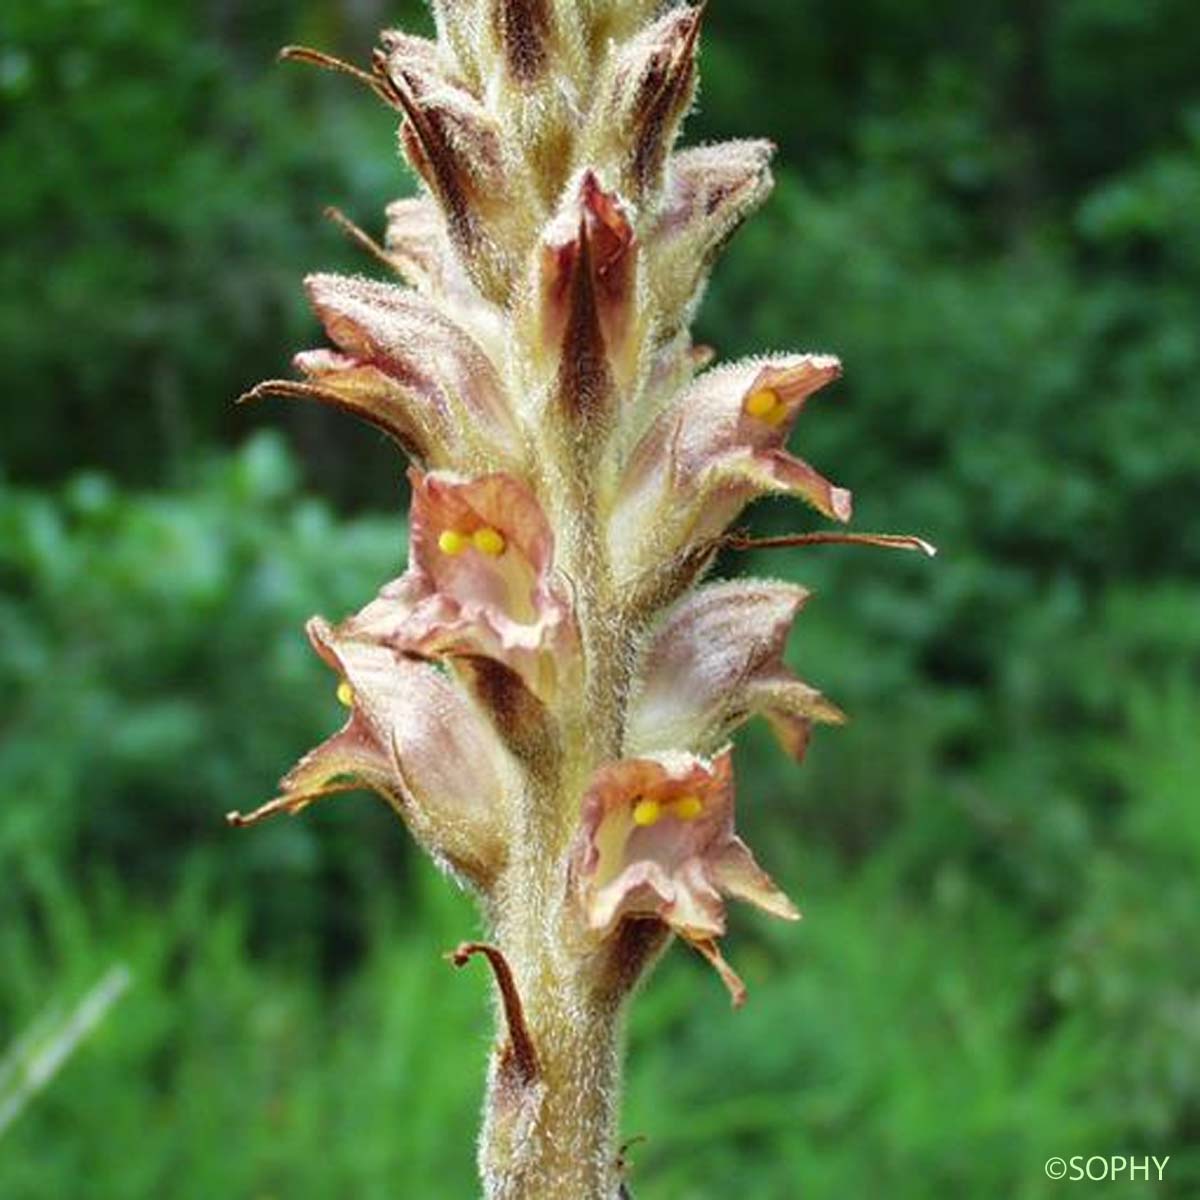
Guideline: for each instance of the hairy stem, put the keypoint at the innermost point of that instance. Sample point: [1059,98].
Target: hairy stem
[556,1136]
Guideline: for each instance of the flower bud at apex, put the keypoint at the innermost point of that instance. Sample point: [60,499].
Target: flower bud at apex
[648,90]
[532,61]
[607,22]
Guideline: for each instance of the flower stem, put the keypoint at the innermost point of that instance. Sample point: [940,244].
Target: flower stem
[555,1134]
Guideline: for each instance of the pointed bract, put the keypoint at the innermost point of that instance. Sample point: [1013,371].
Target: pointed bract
[522,29]
[454,144]
[649,89]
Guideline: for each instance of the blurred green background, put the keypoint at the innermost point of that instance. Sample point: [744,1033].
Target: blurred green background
[992,212]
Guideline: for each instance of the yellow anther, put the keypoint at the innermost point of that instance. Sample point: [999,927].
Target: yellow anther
[345,693]
[762,403]
[777,415]
[451,542]
[489,541]
[688,808]
[767,406]
[647,812]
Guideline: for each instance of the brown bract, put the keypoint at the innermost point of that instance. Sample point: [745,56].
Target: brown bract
[648,91]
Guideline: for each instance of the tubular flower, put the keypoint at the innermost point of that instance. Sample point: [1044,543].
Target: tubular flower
[545,694]
[656,840]
[415,738]
[403,366]
[718,445]
[717,659]
[479,583]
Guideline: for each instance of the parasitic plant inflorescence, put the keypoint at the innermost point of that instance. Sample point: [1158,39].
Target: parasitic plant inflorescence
[546,695]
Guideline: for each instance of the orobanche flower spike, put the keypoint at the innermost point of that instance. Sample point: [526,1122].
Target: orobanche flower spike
[546,695]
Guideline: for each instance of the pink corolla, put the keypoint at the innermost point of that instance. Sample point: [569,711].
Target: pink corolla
[480,582]
[656,840]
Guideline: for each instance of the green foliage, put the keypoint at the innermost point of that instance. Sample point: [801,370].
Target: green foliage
[989,211]
[152,650]
[999,885]
[168,183]
[219,1074]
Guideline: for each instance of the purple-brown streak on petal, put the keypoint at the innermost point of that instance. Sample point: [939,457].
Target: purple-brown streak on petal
[523,28]
[662,90]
